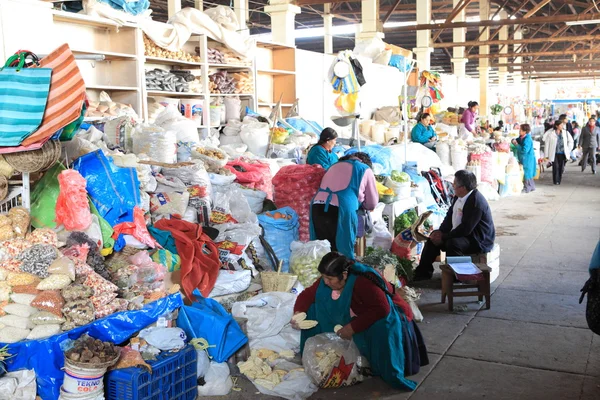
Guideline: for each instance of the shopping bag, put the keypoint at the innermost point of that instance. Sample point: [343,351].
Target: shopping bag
[23,99]
[66,96]
[207,319]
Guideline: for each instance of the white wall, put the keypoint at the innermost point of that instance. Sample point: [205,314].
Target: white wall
[317,100]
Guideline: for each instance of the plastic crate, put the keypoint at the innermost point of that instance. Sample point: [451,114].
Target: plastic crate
[173,378]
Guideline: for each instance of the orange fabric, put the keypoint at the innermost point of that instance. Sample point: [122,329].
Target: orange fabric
[200,263]
[66,96]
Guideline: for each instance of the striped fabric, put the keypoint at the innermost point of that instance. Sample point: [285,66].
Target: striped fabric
[23,98]
[67,93]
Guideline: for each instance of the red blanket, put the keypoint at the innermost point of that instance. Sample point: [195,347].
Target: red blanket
[199,256]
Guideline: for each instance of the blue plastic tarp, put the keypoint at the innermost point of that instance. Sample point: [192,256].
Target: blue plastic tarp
[113,190]
[303,126]
[46,358]
[380,156]
[207,319]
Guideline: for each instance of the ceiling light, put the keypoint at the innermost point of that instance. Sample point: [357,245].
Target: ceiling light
[583,22]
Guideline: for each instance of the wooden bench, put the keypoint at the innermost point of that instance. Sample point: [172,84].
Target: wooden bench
[453,289]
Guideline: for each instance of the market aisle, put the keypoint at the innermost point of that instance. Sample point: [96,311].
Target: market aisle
[533,343]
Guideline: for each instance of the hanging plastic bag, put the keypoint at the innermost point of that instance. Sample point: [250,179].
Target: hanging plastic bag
[207,319]
[217,380]
[43,198]
[333,362]
[281,228]
[72,208]
[305,260]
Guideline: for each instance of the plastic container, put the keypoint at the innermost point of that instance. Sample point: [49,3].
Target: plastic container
[80,380]
[192,109]
[173,378]
[378,132]
[166,101]
[365,127]
[393,132]
[97,395]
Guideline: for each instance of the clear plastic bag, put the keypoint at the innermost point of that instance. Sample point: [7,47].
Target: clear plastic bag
[49,300]
[54,282]
[322,357]
[158,144]
[63,265]
[46,318]
[305,260]
[72,206]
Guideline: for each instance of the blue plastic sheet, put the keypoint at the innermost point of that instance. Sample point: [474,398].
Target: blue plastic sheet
[207,319]
[380,156]
[303,126]
[280,233]
[113,190]
[46,357]
[411,169]
[400,62]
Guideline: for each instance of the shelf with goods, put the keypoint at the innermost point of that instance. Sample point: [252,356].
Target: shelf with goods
[275,76]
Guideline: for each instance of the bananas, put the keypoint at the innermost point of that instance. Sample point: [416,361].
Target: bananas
[302,322]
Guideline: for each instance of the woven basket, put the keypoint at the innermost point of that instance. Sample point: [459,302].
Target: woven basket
[5,169]
[35,160]
[3,187]
[277,281]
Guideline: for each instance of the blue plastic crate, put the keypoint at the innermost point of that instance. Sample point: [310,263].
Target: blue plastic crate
[173,378]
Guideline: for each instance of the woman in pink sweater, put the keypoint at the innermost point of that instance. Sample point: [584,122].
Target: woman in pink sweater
[468,128]
[346,186]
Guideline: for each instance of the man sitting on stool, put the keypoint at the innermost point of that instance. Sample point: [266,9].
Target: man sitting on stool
[467,229]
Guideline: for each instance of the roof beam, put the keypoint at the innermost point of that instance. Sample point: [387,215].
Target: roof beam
[315,2]
[519,41]
[537,8]
[390,12]
[500,22]
[457,10]
[532,53]
[546,64]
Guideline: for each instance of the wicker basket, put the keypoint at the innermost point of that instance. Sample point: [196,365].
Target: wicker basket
[3,187]
[277,281]
[35,160]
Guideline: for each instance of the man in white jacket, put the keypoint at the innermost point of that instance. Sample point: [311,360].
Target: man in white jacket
[559,143]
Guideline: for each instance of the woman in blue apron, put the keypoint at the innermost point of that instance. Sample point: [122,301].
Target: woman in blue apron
[321,153]
[333,213]
[358,298]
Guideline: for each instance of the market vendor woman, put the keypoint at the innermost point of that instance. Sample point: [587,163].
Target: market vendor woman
[526,155]
[423,132]
[356,297]
[347,186]
[322,153]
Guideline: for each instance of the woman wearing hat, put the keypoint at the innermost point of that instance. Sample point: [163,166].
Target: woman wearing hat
[321,153]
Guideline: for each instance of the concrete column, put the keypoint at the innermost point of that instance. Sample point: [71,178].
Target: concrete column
[423,50]
[459,35]
[328,25]
[484,63]
[173,7]
[282,21]
[240,8]
[370,26]
[503,71]
[199,5]
[517,76]
[538,90]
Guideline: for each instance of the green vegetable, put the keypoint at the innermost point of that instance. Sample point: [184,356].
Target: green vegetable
[405,221]
[401,177]
[379,258]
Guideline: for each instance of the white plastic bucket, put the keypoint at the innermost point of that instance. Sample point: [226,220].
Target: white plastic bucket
[393,132]
[365,127]
[83,381]
[97,395]
[378,132]
[192,109]
[165,101]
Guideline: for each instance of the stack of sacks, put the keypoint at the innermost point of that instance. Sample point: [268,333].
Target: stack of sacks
[244,81]
[222,83]
[215,56]
[102,109]
[154,109]
[229,57]
[252,174]
[295,186]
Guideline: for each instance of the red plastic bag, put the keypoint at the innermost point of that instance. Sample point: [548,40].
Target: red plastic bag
[255,175]
[72,206]
[295,186]
[137,229]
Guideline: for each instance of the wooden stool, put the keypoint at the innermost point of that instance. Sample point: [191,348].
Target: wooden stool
[452,289]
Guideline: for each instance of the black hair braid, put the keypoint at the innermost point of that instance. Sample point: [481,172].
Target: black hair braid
[373,279]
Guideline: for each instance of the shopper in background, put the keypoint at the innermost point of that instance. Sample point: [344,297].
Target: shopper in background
[576,134]
[526,154]
[589,141]
[558,143]
[468,128]
[346,186]
[423,132]
[321,153]
[359,299]
[468,227]
[566,124]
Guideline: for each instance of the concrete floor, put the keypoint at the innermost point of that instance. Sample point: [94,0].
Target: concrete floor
[533,343]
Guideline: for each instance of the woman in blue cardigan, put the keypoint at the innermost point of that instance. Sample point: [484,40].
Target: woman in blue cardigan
[321,153]
[526,154]
[423,132]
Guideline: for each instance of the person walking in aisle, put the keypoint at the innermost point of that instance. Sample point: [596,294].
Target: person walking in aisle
[576,134]
[558,142]
[589,141]
[526,154]
[468,129]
